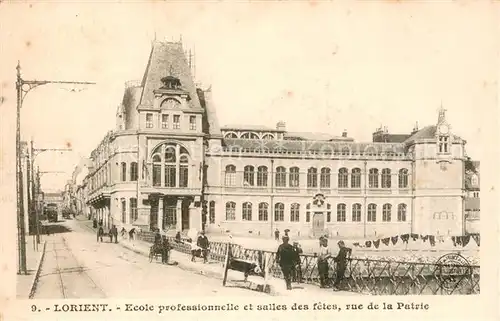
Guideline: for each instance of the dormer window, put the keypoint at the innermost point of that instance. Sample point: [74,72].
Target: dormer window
[444,144]
[171,82]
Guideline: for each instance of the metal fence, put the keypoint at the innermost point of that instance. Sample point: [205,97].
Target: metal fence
[367,276]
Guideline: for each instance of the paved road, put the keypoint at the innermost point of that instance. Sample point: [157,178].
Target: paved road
[76,266]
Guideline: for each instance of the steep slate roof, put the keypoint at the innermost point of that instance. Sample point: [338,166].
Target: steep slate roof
[311,146]
[428,132]
[166,56]
[316,136]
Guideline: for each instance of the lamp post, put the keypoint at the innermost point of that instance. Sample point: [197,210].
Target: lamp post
[22,89]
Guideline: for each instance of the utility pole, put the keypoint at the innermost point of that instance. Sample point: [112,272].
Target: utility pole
[34,153]
[22,89]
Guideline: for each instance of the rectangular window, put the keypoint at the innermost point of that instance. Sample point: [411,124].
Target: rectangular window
[177,122]
[183,179]
[149,120]
[164,121]
[192,122]
[211,213]
[133,209]
[170,175]
[170,216]
[156,175]
[124,210]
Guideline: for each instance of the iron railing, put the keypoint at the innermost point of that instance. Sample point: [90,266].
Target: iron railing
[362,275]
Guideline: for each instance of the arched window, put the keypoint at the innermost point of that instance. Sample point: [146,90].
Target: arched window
[312,177]
[294,177]
[325,178]
[133,209]
[262,176]
[340,212]
[184,171]
[403,178]
[373,178]
[230,211]
[356,212]
[124,172]
[386,213]
[248,176]
[267,136]
[211,212]
[247,211]
[249,136]
[157,170]
[372,213]
[474,180]
[402,213]
[230,175]
[343,178]
[280,176]
[279,212]
[231,135]
[356,178]
[386,178]
[170,166]
[294,212]
[263,211]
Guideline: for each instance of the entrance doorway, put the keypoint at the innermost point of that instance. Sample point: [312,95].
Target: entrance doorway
[185,215]
[318,224]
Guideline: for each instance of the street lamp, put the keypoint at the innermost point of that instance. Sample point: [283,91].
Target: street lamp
[22,89]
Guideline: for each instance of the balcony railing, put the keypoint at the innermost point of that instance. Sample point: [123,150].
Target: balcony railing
[367,276]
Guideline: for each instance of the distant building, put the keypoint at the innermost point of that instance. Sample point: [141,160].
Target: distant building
[168,164]
[472,197]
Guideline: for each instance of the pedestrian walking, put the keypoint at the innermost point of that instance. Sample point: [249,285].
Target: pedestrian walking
[286,258]
[100,233]
[324,254]
[277,235]
[131,234]
[114,232]
[165,253]
[204,245]
[341,264]
[178,237]
[123,231]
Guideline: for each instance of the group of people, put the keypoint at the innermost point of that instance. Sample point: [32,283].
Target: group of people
[288,258]
[162,245]
[112,233]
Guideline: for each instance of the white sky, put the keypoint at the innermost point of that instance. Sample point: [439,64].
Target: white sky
[315,66]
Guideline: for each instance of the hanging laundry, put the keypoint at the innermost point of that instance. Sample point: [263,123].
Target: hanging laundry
[414,236]
[376,243]
[466,240]
[386,241]
[394,240]
[476,238]
[432,240]
[368,243]
[405,238]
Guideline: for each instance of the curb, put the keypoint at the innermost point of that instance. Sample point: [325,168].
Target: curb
[37,274]
[251,285]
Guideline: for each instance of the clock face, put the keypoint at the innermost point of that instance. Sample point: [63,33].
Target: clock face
[443,129]
[170,103]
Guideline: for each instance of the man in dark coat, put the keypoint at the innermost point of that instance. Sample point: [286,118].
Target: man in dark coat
[165,247]
[100,233]
[341,264]
[297,268]
[114,232]
[286,258]
[157,238]
[203,244]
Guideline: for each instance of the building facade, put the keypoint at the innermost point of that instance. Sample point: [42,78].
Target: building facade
[169,165]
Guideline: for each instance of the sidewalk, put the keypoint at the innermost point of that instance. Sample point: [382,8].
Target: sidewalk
[214,269]
[26,283]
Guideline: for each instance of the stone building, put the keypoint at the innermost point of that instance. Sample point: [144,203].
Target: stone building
[169,164]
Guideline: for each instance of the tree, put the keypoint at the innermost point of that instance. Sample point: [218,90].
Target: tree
[469,165]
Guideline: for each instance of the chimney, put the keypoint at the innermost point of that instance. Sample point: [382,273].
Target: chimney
[415,128]
[344,133]
[281,125]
